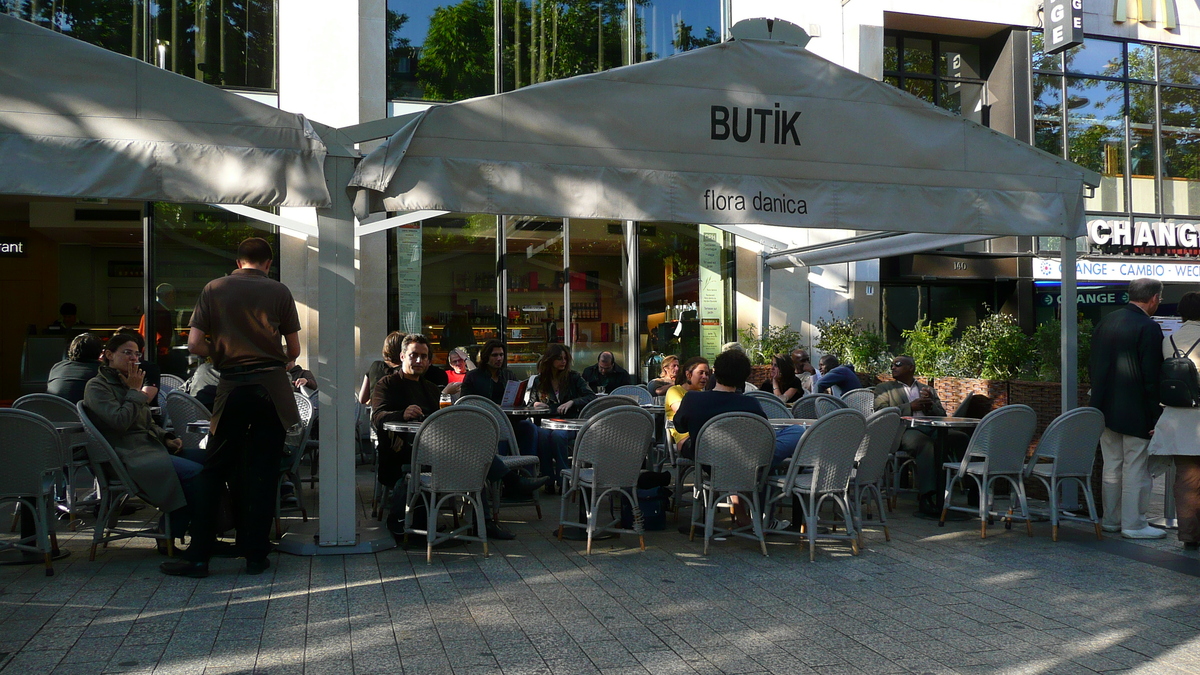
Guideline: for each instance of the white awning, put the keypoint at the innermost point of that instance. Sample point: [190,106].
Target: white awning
[80,121]
[747,131]
[867,247]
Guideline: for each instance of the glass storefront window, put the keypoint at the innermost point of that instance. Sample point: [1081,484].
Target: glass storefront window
[1141,62]
[192,246]
[446,282]
[1178,66]
[224,44]
[440,51]
[666,27]
[918,56]
[536,311]
[1142,164]
[552,39]
[598,268]
[958,59]
[1042,60]
[1096,57]
[952,80]
[891,53]
[962,98]
[668,290]
[1181,150]
[1096,137]
[1047,113]
[922,89]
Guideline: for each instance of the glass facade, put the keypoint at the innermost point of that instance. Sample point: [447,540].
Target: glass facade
[228,43]
[443,51]
[947,72]
[1132,113]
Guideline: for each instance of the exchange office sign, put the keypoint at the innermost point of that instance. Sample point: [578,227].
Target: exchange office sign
[1064,24]
[1162,238]
[1118,270]
[1086,298]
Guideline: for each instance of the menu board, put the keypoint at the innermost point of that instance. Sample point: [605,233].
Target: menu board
[712,291]
[408,276]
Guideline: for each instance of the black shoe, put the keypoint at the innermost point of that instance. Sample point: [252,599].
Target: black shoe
[256,567]
[497,533]
[184,568]
[927,503]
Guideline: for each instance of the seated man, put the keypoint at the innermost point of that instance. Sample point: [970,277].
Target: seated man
[406,396]
[835,378]
[606,375]
[68,378]
[732,368]
[917,400]
[804,369]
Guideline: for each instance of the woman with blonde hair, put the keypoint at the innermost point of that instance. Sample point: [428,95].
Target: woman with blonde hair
[666,379]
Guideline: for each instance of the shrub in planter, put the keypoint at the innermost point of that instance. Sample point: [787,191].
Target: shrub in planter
[1047,340]
[854,342]
[774,340]
[993,349]
[931,347]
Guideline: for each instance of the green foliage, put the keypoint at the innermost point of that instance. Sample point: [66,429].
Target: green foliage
[931,346]
[993,349]
[774,340]
[854,343]
[1047,340]
[456,62]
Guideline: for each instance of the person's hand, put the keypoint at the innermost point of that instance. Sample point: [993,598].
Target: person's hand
[301,382]
[562,409]
[540,406]
[175,445]
[920,404]
[413,412]
[452,388]
[135,378]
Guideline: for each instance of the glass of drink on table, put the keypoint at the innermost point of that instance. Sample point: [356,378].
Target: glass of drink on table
[445,401]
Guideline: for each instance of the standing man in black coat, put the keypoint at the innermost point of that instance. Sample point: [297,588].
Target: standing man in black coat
[1124,365]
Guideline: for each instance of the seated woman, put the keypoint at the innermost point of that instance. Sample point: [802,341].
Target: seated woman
[666,379]
[562,390]
[490,380]
[695,378]
[783,381]
[377,369]
[155,459]
[460,367]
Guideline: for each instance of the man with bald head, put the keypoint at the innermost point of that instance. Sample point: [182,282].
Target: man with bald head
[606,375]
[917,400]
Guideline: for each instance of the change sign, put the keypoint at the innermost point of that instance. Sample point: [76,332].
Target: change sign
[1064,24]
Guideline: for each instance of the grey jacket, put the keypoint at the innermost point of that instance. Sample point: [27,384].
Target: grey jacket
[123,416]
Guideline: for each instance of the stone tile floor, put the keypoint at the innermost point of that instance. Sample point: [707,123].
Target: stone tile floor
[933,600]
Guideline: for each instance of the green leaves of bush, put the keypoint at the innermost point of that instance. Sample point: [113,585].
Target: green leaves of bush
[774,340]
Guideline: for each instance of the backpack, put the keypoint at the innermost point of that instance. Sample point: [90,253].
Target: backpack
[1179,383]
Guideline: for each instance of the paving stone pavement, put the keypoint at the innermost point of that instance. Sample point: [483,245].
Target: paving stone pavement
[932,600]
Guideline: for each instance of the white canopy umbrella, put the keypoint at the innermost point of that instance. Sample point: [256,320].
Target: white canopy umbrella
[81,121]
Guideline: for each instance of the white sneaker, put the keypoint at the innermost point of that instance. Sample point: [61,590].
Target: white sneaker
[1111,528]
[1144,533]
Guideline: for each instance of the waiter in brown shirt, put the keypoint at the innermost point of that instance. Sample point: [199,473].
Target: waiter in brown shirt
[247,323]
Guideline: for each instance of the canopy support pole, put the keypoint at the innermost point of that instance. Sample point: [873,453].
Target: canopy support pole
[764,293]
[1070,328]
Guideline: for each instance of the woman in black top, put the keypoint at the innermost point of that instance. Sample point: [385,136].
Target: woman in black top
[490,380]
[783,381]
[564,391]
[377,369]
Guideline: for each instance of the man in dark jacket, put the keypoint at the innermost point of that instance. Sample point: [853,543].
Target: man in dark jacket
[606,375]
[1124,366]
[68,378]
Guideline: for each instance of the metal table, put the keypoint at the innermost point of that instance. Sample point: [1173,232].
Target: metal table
[402,427]
[940,427]
[199,426]
[563,424]
[528,412]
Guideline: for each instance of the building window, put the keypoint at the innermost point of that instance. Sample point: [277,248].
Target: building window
[227,44]
[1132,113]
[946,72]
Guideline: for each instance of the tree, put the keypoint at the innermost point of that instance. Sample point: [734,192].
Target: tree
[686,40]
[456,60]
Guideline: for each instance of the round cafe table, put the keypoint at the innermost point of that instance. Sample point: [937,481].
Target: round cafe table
[402,427]
[939,426]
[199,426]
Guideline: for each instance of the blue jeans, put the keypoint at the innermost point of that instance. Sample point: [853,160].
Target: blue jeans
[554,449]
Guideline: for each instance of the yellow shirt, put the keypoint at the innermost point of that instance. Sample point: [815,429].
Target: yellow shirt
[674,396]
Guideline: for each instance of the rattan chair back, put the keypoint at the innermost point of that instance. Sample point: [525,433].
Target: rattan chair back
[872,457]
[493,409]
[168,383]
[829,446]
[736,449]
[1071,441]
[636,391]
[605,403]
[862,400]
[182,408]
[773,407]
[53,408]
[29,448]
[1002,439]
[107,466]
[815,406]
[613,443]
[457,444]
[304,406]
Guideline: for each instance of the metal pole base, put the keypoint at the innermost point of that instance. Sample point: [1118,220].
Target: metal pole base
[302,540]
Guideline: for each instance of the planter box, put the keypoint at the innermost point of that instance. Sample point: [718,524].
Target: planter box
[758,375]
[954,390]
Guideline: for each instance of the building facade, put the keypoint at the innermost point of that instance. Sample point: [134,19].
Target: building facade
[1125,103]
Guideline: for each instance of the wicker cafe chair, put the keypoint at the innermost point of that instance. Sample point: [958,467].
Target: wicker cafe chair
[294,443]
[828,447]
[310,447]
[773,407]
[815,406]
[513,461]
[183,408]
[601,403]
[862,400]
[733,451]
[870,464]
[451,456]
[635,391]
[31,453]
[1069,443]
[996,452]
[760,396]
[74,445]
[167,383]
[606,461]
[116,486]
